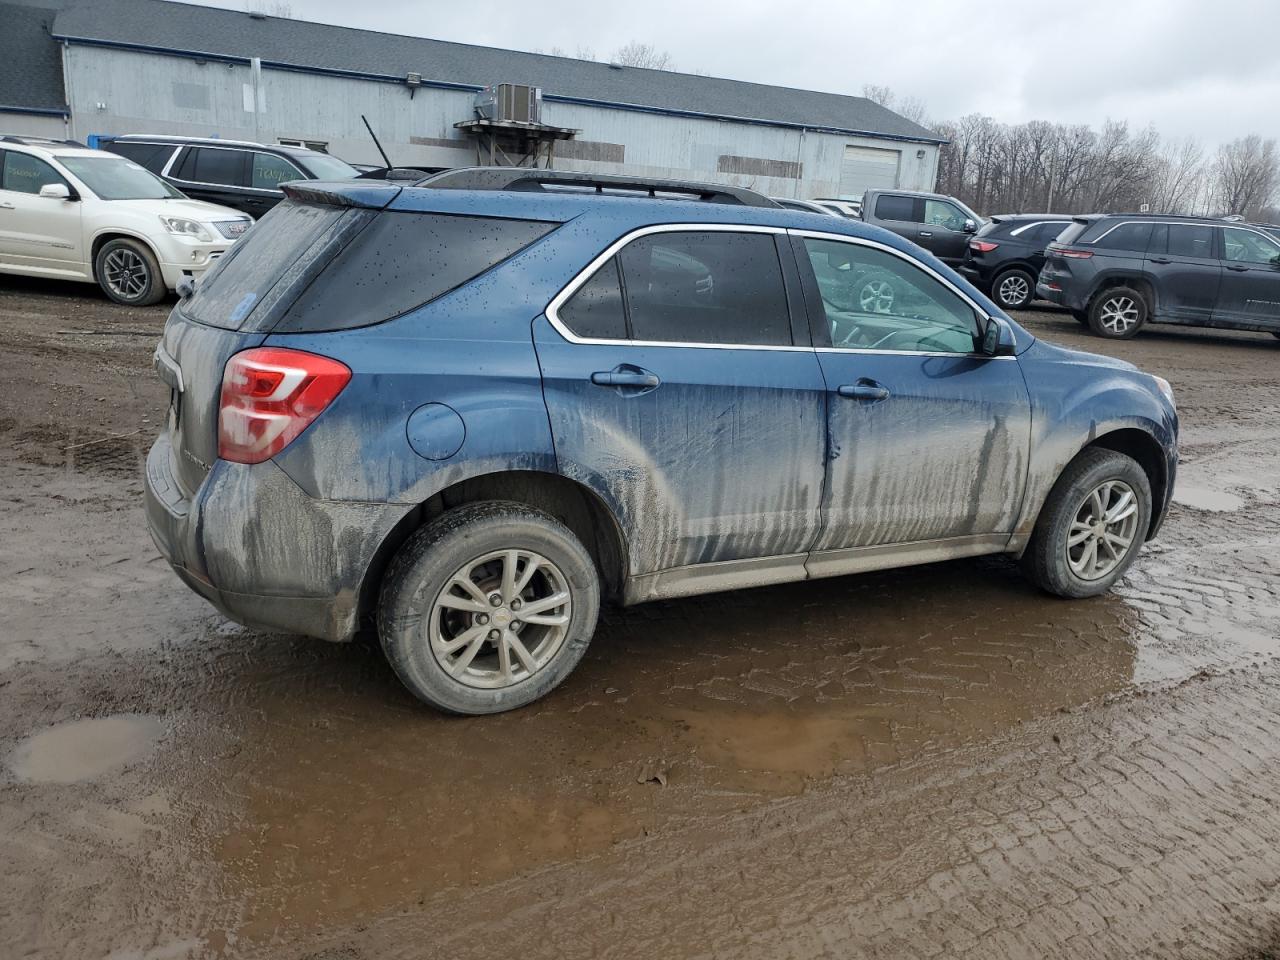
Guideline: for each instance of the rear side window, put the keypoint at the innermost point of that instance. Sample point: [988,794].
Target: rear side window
[403,260]
[1049,232]
[214,165]
[151,156]
[706,287]
[1127,237]
[895,208]
[1190,240]
[595,311]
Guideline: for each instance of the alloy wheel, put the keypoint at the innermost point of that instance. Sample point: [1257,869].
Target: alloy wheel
[1103,530]
[500,619]
[1118,315]
[126,273]
[1014,291]
[876,296]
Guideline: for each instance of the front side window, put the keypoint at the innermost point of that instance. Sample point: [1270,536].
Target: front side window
[269,171]
[26,174]
[895,208]
[706,287]
[875,300]
[324,167]
[1245,246]
[940,213]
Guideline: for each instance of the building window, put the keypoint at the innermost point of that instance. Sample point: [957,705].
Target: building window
[320,145]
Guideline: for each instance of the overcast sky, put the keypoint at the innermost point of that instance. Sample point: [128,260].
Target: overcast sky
[1190,67]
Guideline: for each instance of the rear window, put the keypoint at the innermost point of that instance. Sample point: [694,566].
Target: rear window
[403,260]
[278,244]
[895,208]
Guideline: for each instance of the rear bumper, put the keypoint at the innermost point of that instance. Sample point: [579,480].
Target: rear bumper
[975,275]
[263,552]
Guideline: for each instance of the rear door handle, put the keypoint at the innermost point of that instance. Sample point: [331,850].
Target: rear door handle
[926,233]
[1238,269]
[627,377]
[864,390]
[1160,260]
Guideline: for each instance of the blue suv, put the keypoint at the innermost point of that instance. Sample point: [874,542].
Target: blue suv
[471,409]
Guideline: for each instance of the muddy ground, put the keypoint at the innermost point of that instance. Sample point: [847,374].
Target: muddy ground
[930,762]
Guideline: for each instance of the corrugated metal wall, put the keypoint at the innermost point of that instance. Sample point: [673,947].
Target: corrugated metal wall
[32,125]
[117,91]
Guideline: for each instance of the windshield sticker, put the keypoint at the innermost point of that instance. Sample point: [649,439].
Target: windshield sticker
[243,307]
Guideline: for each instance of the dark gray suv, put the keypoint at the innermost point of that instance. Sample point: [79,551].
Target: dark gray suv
[1117,273]
[940,224]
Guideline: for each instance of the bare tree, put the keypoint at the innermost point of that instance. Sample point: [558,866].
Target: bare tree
[1246,174]
[879,94]
[646,55]
[1179,178]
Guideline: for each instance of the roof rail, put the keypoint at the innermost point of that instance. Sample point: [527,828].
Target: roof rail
[528,179]
[40,141]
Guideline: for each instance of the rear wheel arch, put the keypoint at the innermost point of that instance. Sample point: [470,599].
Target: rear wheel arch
[575,505]
[1135,282]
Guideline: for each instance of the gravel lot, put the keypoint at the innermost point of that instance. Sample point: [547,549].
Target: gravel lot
[928,762]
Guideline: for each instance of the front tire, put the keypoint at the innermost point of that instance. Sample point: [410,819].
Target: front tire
[1091,526]
[1013,289]
[488,608]
[128,273]
[1118,313]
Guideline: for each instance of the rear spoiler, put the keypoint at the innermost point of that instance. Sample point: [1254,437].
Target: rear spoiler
[371,194]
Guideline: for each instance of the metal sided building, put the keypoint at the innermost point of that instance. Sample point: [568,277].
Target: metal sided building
[149,66]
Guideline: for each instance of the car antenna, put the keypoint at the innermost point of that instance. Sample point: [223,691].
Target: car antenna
[374,136]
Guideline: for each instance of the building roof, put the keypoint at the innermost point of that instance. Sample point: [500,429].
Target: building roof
[185,29]
[31,75]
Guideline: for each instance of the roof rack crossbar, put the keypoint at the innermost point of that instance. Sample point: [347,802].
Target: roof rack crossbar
[527,179]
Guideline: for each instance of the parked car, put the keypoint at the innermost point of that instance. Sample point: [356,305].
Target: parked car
[842,208]
[940,224]
[563,392]
[235,173]
[808,206]
[1005,255]
[1119,272]
[72,213]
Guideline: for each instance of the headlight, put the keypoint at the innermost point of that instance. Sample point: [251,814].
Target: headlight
[1166,389]
[233,229]
[186,228]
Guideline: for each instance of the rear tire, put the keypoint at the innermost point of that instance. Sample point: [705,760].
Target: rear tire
[1058,557]
[1013,289]
[1118,313]
[128,273]
[452,602]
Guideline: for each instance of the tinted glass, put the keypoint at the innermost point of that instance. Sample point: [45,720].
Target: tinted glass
[269,171]
[210,165]
[895,208]
[26,174]
[595,310]
[877,301]
[1187,240]
[1245,246]
[115,178]
[402,261]
[939,213]
[1049,232]
[242,277]
[1072,232]
[153,156]
[324,167]
[1127,237]
[708,287]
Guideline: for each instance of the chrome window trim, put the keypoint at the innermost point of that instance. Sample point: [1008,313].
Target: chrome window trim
[983,316]
[589,271]
[1038,223]
[225,186]
[1178,223]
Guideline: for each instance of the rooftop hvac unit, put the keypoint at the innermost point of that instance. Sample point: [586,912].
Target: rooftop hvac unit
[510,101]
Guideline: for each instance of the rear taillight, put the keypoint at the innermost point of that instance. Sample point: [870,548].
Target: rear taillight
[1069,252]
[982,246]
[269,396]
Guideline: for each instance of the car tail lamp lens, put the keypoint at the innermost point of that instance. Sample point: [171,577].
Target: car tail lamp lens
[1073,254]
[982,246]
[269,396]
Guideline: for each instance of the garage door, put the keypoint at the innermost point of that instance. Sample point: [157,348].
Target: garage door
[868,168]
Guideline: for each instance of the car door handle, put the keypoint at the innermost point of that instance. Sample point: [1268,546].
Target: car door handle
[6,205]
[628,377]
[1160,260]
[864,390]
[926,233]
[1238,269]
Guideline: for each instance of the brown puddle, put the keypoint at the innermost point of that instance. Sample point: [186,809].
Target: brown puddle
[367,802]
[85,749]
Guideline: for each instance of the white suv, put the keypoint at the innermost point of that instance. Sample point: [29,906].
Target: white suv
[70,212]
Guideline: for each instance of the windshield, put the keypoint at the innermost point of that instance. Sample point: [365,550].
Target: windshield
[115,178]
[324,167]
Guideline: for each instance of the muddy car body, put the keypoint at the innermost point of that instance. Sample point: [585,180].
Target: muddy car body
[522,401]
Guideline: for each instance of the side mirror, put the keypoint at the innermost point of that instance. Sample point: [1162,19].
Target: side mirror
[185,288]
[997,338]
[55,191]
[970,226]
